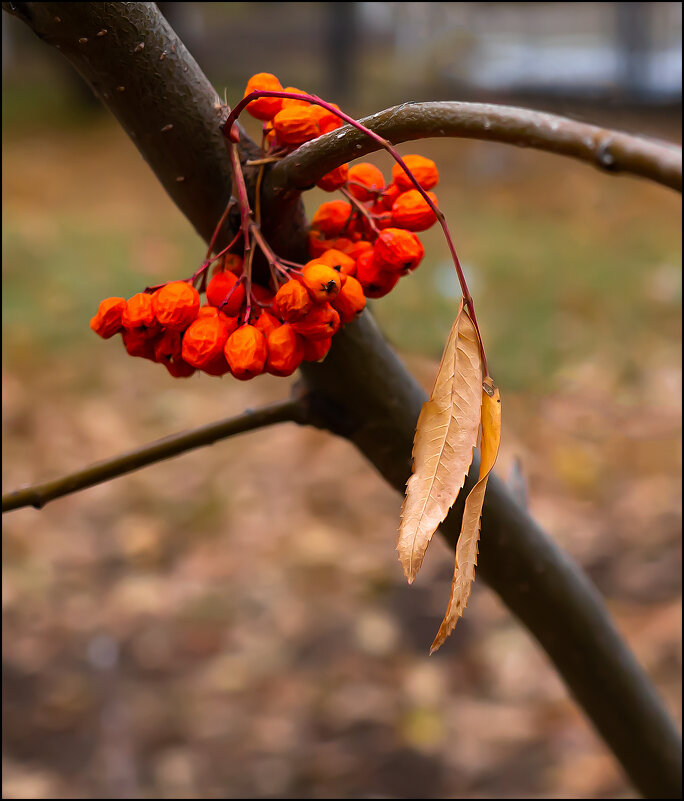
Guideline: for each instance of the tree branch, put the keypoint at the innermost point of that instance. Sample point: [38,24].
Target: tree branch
[610,151]
[363,392]
[121,50]
[38,495]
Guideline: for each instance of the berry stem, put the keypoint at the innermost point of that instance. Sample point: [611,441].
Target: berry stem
[214,236]
[358,205]
[225,249]
[230,294]
[257,195]
[273,260]
[295,265]
[248,283]
[243,198]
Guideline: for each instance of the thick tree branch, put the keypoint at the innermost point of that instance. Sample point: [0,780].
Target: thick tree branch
[363,392]
[291,411]
[611,151]
[121,50]
[547,591]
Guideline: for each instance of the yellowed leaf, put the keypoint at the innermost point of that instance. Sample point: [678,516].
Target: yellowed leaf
[466,549]
[443,445]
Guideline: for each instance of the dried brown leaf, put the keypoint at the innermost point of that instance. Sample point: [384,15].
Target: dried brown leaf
[466,549]
[443,445]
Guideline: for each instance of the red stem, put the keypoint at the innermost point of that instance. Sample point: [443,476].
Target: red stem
[214,236]
[243,199]
[358,205]
[271,257]
[230,293]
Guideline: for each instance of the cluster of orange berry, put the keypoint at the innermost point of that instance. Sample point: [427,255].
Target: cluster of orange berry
[288,121]
[377,225]
[283,328]
[359,248]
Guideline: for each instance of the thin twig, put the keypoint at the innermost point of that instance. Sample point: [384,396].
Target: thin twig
[40,494]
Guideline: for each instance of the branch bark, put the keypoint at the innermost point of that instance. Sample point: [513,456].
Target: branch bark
[121,50]
[363,392]
[38,495]
[610,151]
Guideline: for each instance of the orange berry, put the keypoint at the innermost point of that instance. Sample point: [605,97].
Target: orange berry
[321,322]
[292,301]
[204,340]
[264,297]
[266,322]
[411,211]
[356,250]
[381,217]
[390,194]
[107,321]
[344,264]
[322,281]
[397,250]
[168,346]
[246,352]
[424,171]
[376,281]
[332,217]
[178,368]
[345,244]
[291,102]
[315,349]
[318,243]
[217,365]
[176,305]
[295,125]
[334,179]
[140,342]
[264,108]
[224,287]
[371,179]
[351,300]
[139,312]
[212,311]
[233,263]
[285,351]
[271,138]
[328,120]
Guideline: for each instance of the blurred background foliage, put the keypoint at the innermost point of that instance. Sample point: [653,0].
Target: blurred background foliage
[234,622]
